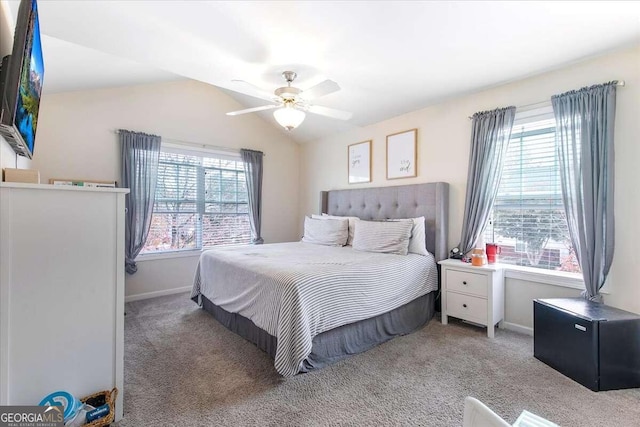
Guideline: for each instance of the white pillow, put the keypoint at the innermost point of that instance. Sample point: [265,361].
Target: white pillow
[417,243]
[329,232]
[389,237]
[352,223]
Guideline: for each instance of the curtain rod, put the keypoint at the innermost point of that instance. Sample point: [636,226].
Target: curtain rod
[534,104]
[197,144]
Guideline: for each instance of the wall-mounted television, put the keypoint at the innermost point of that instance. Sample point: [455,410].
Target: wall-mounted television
[21,82]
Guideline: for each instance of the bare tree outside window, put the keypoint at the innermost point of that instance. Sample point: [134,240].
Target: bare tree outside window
[536,228]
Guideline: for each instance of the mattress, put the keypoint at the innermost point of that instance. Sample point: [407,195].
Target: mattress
[295,291]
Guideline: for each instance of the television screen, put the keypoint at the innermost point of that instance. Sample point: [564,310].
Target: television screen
[22,77]
[26,118]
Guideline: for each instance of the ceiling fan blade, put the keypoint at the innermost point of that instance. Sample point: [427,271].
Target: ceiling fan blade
[330,112]
[247,88]
[252,110]
[321,89]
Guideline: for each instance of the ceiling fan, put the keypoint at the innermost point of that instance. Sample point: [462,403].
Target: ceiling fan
[291,102]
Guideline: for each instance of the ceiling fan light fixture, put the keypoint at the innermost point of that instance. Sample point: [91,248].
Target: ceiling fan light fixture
[292,103]
[289,117]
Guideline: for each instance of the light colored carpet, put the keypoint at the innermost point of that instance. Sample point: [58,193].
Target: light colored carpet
[182,368]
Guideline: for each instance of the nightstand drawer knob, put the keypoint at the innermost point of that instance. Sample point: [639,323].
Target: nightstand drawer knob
[464,283]
[464,305]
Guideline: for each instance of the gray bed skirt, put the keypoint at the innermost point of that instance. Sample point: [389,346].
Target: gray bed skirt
[336,344]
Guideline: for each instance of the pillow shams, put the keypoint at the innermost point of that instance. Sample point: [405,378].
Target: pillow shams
[384,237]
[329,232]
[417,243]
[352,223]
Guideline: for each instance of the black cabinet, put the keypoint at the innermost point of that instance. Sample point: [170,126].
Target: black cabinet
[591,343]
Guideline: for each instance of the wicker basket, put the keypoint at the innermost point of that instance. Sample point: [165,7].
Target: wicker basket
[109,397]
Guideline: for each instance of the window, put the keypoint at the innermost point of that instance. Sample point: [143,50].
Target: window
[201,201]
[528,219]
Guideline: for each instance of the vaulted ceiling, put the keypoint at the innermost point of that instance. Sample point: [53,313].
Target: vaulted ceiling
[389,57]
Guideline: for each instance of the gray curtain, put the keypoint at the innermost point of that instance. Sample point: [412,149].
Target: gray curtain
[584,140]
[489,141]
[140,158]
[253,174]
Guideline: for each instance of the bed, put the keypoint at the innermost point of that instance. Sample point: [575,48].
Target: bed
[308,305]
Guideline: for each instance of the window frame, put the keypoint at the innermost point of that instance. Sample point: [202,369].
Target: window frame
[200,201]
[537,113]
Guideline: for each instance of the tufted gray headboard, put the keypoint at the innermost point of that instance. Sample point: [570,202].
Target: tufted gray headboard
[405,201]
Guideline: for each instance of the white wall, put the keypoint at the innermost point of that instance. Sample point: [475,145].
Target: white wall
[76,140]
[8,157]
[519,296]
[444,132]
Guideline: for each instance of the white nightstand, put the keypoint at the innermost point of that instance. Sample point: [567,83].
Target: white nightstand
[472,293]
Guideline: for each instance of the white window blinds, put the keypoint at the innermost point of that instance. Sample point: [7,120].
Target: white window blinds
[528,219]
[201,201]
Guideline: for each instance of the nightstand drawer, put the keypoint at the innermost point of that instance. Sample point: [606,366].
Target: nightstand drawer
[464,281]
[467,307]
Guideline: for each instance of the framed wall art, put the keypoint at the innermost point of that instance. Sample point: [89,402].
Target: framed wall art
[401,154]
[359,156]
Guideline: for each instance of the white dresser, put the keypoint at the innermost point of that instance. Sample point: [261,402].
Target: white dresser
[61,291]
[475,294]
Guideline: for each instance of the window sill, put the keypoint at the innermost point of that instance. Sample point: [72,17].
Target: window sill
[548,277]
[151,256]
[168,255]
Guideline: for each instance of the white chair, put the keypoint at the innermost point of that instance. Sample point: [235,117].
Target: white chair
[477,414]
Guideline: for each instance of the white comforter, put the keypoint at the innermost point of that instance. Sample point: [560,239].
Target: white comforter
[295,291]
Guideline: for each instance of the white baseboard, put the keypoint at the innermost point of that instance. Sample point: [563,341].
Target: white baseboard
[517,328]
[147,295]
